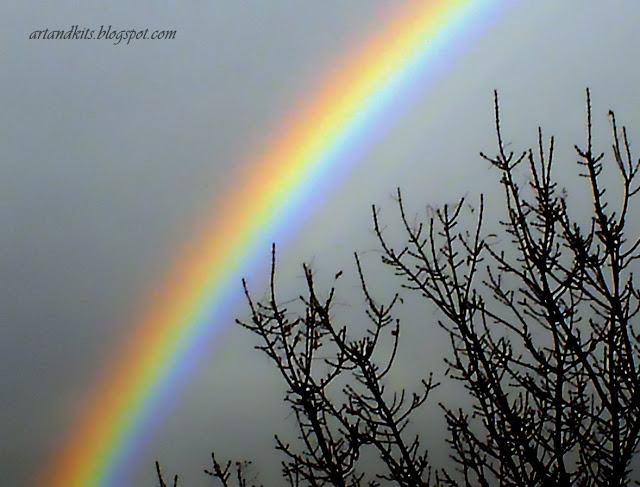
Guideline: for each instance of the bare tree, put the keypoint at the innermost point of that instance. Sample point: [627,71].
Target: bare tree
[540,317]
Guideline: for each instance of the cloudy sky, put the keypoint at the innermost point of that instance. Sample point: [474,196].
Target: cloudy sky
[111,157]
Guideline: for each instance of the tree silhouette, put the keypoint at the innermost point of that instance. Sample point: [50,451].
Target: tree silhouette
[540,318]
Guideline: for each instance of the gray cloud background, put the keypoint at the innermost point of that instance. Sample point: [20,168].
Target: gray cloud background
[110,157]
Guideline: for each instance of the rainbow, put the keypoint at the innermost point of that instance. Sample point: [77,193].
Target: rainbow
[354,104]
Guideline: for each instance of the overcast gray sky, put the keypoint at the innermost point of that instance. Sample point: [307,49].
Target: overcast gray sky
[111,156]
